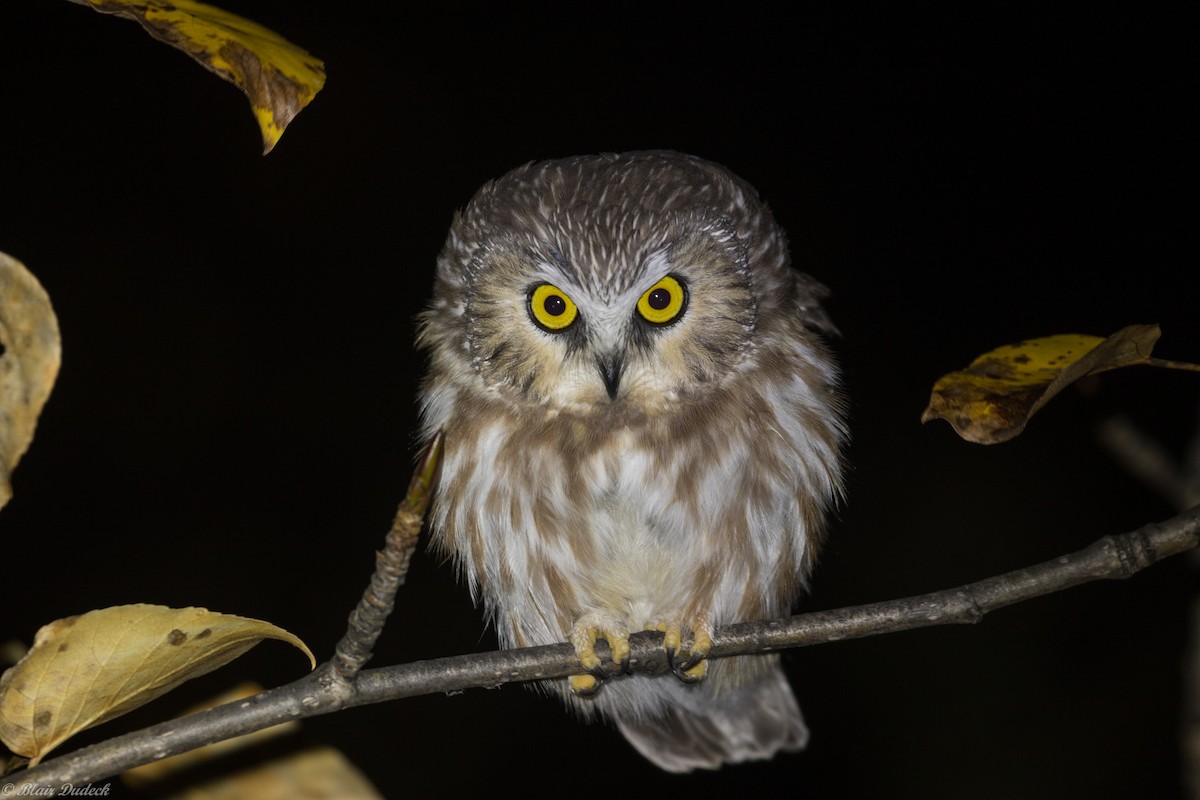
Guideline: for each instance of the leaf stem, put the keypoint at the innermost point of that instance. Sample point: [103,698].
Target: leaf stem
[1166,363]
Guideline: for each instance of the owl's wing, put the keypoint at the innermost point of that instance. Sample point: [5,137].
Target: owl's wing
[809,294]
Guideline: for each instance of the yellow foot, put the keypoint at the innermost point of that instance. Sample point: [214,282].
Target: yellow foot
[584,685]
[688,659]
[588,630]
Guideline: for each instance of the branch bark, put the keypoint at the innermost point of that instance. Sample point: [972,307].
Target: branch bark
[325,690]
[391,566]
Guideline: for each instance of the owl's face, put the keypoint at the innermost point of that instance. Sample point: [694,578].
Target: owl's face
[675,316]
[605,282]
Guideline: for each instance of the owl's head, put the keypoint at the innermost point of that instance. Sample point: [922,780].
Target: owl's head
[637,280]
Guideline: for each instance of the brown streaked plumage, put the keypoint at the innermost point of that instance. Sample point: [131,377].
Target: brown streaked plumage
[642,431]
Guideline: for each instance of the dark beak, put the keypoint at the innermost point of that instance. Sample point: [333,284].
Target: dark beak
[610,370]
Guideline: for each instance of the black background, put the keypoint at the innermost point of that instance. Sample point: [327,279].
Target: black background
[234,420]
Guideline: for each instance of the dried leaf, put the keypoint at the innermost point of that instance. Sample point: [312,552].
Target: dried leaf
[992,400]
[30,354]
[278,77]
[319,772]
[88,669]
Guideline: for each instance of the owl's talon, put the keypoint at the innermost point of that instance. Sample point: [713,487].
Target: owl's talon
[690,671]
[585,685]
[584,635]
[588,684]
[672,637]
[671,659]
[690,664]
[695,665]
[693,671]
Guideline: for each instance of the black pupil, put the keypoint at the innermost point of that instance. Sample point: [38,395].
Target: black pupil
[659,299]
[555,306]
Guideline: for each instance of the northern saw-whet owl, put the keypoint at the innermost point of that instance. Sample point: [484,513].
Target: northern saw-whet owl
[642,432]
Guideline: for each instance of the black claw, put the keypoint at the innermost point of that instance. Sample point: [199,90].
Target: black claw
[681,670]
[684,677]
[624,667]
[671,660]
[695,659]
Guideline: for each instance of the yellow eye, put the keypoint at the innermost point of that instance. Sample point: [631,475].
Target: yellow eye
[664,302]
[551,309]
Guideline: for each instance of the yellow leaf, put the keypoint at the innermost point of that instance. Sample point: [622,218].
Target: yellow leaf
[30,354]
[278,77]
[316,772]
[91,668]
[992,400]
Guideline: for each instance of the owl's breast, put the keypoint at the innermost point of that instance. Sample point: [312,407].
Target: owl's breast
[603,529]
[711,509]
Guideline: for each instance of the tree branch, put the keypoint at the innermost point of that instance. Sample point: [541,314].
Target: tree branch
[1111,557]
[391,566]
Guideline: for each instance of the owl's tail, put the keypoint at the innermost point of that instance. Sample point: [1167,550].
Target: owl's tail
[750,723]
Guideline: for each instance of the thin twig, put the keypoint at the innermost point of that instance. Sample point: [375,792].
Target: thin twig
[1175,480]
[1112,557]
[1146,459]
[391,565]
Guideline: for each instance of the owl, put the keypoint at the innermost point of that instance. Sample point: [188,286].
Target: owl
[643,431]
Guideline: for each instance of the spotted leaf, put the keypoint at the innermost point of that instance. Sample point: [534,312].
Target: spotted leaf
[88,669]
[992,400]
[30,353]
